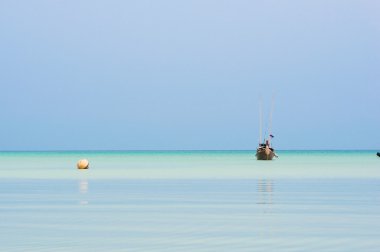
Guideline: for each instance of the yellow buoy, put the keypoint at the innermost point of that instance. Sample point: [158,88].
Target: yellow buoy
[83,164]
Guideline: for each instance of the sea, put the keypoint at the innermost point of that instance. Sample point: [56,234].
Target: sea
[190,201]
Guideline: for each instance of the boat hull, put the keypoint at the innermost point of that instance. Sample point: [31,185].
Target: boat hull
[261,154]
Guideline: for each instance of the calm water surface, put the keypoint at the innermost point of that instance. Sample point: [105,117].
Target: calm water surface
[190,201]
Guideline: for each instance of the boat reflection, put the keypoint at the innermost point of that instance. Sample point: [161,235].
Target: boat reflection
[265,191]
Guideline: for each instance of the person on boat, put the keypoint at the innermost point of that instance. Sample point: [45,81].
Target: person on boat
[267,143]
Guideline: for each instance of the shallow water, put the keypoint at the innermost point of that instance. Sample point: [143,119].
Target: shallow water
[189,201]
[189,165]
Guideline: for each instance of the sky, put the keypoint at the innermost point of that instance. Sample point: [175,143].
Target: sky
[189,75]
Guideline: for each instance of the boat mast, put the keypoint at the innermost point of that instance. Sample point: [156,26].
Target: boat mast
[270,118]
[261,121]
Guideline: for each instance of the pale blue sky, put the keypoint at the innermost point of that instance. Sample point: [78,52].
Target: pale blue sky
[188,74]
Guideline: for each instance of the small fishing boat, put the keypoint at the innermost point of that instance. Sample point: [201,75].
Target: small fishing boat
[378,154]
[265,150]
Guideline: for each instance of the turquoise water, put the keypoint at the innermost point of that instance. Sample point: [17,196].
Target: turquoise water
[190,201]
[189,165]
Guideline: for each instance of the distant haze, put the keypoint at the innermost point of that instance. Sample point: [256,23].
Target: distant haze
[137,75]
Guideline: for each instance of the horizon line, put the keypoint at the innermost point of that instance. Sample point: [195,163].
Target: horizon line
[178,150]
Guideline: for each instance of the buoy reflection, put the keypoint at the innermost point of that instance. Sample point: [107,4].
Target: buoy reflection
[83,189]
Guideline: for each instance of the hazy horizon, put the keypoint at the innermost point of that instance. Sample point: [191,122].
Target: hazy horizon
[187,150]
